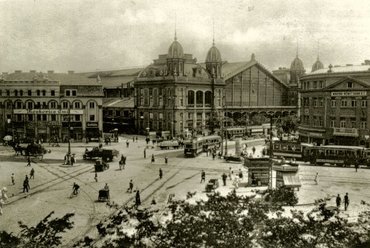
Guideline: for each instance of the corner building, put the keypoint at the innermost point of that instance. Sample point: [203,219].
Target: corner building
[335,105]
[50,106]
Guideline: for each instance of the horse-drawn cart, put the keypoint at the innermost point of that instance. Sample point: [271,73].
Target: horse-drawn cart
[103,195]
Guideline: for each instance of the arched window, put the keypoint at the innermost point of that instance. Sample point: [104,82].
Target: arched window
[208,98]
[77,105]
[53,105]
[199,97]
[191,97]
[30,105]
[65,105]
[18,105]
[15,92]
[21,92]
[155,96]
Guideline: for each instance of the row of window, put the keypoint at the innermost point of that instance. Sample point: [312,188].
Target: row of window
[44,105]
[308,85]
[37,92]
[319,102]
[318,121]
[52,117]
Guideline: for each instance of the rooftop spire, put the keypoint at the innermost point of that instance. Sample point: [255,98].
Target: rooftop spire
[175,26]
[213,22]
[297,49]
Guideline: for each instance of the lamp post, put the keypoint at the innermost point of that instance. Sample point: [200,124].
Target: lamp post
[69,136]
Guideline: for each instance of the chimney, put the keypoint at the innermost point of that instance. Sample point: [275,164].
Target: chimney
[32,71]
[367,62]
[71,72]
[50,72]
[18,71]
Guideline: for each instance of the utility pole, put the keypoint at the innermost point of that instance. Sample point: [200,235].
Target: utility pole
[69,135]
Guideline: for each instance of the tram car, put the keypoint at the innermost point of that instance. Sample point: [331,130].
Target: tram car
[194,147]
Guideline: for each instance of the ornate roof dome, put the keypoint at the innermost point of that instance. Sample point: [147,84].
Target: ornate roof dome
[213,55]
[317,65]
[175,51]
[297,65]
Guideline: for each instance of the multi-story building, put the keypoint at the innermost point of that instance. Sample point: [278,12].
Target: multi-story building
[335,105]
[50,105]
[178,94]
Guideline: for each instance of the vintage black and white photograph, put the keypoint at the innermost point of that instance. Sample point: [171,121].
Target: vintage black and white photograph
[198,123]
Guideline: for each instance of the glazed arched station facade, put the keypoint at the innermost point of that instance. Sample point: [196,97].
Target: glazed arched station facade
[50,106]
[177,94]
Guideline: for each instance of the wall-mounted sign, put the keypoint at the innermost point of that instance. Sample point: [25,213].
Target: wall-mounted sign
[349,93]
[91,124]
[350,132]
[49,111]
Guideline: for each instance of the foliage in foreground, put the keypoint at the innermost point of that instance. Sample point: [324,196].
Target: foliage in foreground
[236,221]
[45,234]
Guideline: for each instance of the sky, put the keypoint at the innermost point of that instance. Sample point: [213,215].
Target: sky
[90,35]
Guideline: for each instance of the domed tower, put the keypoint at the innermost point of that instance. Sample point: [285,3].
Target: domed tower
[175,58]
[214,61]
[296,70]
[317,65]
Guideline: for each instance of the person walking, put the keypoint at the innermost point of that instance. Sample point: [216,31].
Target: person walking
[346,201]
[106,187]
[73,160]
[338,201]
[316,178]
[166,160]
[127,143]
[13,179]
[96,177]
[137,198]
[224,177]
[145,152]
[32,174]
[26,185]
[153,159]
[28,161]
[136,138]
[130,186]
[203,176]
[160,173]
[240,174]
[356,166]
[230,173]
[133,139]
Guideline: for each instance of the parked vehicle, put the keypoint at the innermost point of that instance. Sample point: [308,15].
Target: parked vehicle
[101,165]
[169,144]
[105,154]
[212,185]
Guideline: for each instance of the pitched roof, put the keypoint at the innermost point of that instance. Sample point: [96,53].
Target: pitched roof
[342,69]
[360,82]
[63,78]
[114,82]
[119,103]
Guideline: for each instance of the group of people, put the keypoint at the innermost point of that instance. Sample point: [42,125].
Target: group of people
[338,201]
[122,162]
[70,159]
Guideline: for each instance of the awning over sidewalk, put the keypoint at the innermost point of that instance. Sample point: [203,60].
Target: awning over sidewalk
[291,180]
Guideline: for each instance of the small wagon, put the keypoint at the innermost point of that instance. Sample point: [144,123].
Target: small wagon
[212,185]
[101,165]
[103,195]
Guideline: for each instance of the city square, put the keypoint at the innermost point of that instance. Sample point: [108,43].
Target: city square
[184,124]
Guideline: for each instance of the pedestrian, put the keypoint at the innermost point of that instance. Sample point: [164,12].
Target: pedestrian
[32,174]
[127,143]
[28,161]
[203,176]
[346,201]
[133,139]
[230,173]
[240,174]
[356,165]
[166,160]
[160,173]
[106,187]
[316,178]
[338,201]
[224,177]
[96,177]
[136,138]
[72,160]
[213,155]
[26,185]
[137,198]
[130,186]
[253,150]
[153,159]
[207,151]
[145,152]
[13,180]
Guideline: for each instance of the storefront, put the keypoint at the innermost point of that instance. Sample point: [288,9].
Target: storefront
[92,130]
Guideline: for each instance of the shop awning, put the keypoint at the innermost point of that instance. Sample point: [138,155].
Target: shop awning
[291,180]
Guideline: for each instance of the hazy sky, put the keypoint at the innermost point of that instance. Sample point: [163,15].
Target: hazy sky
[88,35]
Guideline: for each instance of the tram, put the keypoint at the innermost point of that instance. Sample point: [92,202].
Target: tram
[324,154]
[195,146]
[240,132]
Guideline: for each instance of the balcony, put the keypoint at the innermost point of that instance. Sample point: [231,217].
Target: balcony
[347,132]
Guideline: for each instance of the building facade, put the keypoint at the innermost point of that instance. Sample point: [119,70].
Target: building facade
[50,106]
[335,105]
[177,94]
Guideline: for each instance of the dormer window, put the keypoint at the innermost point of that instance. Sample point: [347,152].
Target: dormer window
[349,85]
